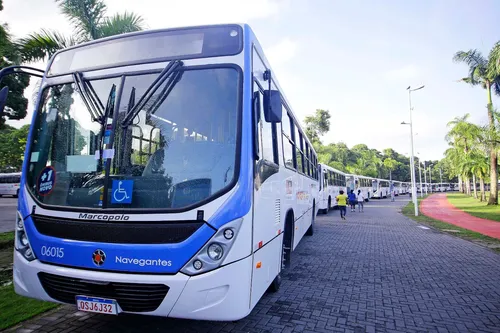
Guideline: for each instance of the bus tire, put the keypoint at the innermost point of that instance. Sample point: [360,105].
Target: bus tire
[276,284]
[287,241]
[310,231]
[329,203]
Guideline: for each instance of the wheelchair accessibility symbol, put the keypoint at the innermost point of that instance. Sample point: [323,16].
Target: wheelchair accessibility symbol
[122,191]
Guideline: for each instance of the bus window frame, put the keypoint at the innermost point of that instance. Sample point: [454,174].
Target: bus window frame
[215,196]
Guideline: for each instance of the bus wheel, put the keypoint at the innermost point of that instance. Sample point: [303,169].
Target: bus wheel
[286,251]
[310,231]
[329,204]
[276,284]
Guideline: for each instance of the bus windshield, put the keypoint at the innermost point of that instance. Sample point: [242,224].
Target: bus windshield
[174,153]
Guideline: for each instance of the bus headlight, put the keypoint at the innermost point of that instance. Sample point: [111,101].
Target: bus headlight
[215,251]
[212,254]
[21,241]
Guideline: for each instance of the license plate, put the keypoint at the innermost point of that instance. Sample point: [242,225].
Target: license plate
[97,305]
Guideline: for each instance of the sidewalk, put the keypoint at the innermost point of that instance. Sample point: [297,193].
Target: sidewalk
[437,207]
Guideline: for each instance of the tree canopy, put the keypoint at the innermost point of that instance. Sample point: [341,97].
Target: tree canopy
[17,104]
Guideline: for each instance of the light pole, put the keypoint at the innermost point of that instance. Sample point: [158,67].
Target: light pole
[440,178]
[430,175]
[412,169]
[412,162]
[420,175]
[425,179]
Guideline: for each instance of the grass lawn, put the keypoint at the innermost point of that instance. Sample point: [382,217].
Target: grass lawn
[476,237]
[6,239]
[474,206]
[15,308]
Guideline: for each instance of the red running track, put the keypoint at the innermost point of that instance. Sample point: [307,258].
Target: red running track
[438,207]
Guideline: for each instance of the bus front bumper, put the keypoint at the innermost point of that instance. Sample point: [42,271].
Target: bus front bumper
[222,294]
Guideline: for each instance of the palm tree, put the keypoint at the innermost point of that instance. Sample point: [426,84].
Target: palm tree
[485,72]
[90,22]
[479,168]
[453,155]
[465,138]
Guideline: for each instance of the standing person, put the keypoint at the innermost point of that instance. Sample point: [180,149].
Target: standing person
[342,203]
[361,201]
[352,201]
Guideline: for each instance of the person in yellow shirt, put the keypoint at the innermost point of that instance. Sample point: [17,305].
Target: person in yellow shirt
[342,203]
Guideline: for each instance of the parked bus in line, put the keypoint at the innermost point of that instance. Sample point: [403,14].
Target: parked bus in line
[165,174]
[398,188]
[380,188]
[331,181]
[363,183]
[444,187]
[9,184]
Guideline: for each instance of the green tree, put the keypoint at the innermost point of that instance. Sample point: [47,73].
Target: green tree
[317,125]
[479,168]
[390,164]
[90,22]
[465,137]
[485,72]
[12,148]
[16,105]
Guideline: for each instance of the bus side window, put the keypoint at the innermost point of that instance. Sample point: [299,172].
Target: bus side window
[265,134]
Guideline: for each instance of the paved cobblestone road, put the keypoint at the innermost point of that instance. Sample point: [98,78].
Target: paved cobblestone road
[376,272]
[8,208]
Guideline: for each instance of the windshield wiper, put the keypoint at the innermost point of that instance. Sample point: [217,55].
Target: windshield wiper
[110,105]
[89,97]
[165,74]
[176,77]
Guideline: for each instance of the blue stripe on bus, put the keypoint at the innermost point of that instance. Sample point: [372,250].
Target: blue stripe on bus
[240,201]
[138,258]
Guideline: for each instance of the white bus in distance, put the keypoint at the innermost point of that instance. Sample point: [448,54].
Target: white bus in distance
[9,184]
[330,183]
[398,187]
[380,188]
[363,183]
[444,187]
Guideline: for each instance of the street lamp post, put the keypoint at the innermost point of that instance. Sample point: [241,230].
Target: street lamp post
[425,179]
[430,175]
[420,176]
[440,178]
[412,162]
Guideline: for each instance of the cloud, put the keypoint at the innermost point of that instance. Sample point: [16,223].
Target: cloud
[167,14]
[406,72]
[282,52]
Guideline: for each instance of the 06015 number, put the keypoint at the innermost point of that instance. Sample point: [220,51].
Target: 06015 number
[52,251]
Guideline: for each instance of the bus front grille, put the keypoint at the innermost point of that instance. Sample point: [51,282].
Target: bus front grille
[132,297]
[136,232]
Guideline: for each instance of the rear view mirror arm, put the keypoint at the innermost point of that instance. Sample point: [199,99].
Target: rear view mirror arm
[18,69]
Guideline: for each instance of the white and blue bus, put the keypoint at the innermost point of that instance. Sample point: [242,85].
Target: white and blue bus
[331,182]
[165,174]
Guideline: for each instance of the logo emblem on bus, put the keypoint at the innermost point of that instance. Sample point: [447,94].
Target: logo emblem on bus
[98,257]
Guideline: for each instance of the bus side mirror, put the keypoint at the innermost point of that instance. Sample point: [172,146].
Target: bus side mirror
[4,92]
[272,106]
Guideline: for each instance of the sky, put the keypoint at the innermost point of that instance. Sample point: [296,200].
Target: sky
[354,58]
